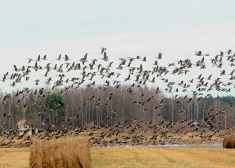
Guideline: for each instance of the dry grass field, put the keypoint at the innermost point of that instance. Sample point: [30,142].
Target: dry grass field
[137,157]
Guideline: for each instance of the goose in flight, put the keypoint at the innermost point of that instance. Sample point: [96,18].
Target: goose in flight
[36,67]
[123,61]
[66,58]
[4,78]
[16,69]
[13,84]
[60,68]
[45,57]
[199,53]
[103,49]
[159,56]
[144,59]
[221,53]
[84,59]
[229,51]
[30,59]
[38,59]
[59,57]
[37,81]
[105,58]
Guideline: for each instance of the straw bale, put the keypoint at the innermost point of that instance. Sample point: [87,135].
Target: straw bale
[67,152]
[229,142]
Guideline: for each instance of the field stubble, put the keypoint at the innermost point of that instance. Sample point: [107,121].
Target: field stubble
[137,157]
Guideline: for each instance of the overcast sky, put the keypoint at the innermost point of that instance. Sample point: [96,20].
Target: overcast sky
[126,27]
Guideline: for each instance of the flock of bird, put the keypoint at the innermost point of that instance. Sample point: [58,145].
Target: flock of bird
[138,75]
[132,134]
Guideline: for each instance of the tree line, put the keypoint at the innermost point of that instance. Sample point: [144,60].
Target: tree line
[109,105]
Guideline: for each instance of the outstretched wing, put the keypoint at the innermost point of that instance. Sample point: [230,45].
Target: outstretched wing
[85,57]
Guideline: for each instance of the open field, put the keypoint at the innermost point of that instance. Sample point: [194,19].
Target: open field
[137,157]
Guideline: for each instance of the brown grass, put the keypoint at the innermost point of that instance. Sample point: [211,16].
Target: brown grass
[137,157]
[14,157]
[67,152]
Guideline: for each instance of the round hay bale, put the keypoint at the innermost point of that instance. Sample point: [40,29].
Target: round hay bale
[229,142]
[71,152]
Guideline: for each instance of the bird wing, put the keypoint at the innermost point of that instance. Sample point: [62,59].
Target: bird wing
[85,57]
[15,67]
[105,56]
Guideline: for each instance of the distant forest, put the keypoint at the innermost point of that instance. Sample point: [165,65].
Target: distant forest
[109,105]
